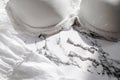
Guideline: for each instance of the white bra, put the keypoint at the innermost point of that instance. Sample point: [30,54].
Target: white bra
[45,17]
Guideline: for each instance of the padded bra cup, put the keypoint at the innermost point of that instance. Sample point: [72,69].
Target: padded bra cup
[46,17]
[36,13]
[102,14]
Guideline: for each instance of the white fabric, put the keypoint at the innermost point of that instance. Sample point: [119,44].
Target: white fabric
[19,63]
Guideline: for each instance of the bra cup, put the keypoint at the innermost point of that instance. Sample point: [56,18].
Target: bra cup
[102,15]
[41,16]
[36,13]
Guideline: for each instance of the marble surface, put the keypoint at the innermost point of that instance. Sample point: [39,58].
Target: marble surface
[79,55]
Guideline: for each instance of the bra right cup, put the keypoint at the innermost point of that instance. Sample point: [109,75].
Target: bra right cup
[101,17]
